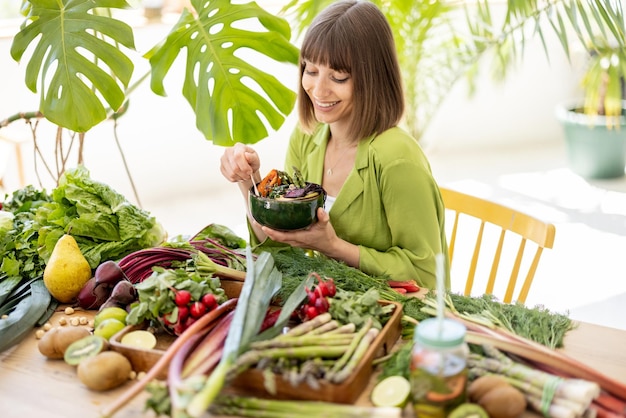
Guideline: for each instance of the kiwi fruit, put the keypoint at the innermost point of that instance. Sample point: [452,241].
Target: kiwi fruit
[468,410]
[85,348]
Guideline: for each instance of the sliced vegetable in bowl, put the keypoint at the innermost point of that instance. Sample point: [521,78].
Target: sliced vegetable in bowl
[286,202]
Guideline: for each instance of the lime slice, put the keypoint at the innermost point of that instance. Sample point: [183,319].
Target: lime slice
[391,391]
[139,339]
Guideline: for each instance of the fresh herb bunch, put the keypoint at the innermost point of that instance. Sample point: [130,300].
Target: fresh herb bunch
[534,323]
[157,296]
[296,265]
[19,257]
[351,307]
[537,324]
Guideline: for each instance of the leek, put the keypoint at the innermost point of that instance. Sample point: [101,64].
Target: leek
[262,281]
[25,315]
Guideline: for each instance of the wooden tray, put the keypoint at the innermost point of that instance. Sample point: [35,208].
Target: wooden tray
[251,381]
[142,360]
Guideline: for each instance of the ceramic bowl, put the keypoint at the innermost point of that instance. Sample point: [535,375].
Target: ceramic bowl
[285,214]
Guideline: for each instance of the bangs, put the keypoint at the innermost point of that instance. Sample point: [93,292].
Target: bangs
[327,46]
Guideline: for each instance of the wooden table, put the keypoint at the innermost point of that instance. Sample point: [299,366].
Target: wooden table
[31,386]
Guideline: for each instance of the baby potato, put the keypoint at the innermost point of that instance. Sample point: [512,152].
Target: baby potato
[104,371]
[56,340]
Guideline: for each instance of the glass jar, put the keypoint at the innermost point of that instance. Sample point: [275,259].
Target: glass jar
[438,367]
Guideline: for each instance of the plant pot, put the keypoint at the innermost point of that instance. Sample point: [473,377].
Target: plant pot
[595,149]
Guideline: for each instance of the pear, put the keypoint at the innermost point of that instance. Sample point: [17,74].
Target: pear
[67,270]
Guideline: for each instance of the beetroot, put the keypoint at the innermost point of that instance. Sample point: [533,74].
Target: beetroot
[93,295]
[109,272]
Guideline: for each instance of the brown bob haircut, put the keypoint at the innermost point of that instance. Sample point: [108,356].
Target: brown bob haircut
[355,37]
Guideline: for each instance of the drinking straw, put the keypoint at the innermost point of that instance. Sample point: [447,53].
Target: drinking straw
[440,273]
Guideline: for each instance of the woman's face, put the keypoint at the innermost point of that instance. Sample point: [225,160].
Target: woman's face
[330,92]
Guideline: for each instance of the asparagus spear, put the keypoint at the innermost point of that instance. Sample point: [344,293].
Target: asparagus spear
[356,357]
[307,326]
[304,340]
[353,346]
[270,408]
[327,327]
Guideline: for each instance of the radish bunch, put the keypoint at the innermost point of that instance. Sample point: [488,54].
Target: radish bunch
[188,310]
[317,298]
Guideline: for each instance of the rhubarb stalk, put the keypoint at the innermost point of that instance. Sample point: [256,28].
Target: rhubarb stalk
[165,359]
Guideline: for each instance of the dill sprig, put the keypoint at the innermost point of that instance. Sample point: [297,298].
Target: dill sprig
[534,323]
[296,265]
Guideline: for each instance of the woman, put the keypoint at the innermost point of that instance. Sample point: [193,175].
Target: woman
[384,213]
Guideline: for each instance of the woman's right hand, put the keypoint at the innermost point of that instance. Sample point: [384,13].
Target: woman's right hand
[239,162]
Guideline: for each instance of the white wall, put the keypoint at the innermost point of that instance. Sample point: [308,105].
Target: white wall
[170,160]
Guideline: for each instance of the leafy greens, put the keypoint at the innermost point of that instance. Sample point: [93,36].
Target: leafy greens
[104,223]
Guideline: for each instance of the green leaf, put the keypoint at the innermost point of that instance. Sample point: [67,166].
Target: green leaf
[76,59]
[228,94]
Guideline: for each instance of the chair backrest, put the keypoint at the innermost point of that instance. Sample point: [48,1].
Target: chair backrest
[506,222]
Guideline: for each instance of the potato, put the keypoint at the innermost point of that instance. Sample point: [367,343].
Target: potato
[105,371]
[55,341]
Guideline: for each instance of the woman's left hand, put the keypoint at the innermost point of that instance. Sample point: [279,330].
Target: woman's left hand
[320,236]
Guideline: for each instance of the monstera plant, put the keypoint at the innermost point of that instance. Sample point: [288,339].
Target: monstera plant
[81,68]
[79,64]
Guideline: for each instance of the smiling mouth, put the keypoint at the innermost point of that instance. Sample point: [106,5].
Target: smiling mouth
[326,105]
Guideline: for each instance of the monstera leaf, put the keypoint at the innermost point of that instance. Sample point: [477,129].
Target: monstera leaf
[228,94]
[76,59]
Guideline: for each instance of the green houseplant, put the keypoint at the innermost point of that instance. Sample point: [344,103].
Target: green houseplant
[441,42]
[81,68]
[79,63]
[595,126]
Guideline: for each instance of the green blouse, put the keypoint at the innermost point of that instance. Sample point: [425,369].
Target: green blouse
[390,205]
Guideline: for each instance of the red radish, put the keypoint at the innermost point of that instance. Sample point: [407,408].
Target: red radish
[197,309]
[179,328]
[182,297]
[332,289]
[311,312]
[209,300]
[323,288]
[189,321]
[321,305]
[183,313]
[311,295]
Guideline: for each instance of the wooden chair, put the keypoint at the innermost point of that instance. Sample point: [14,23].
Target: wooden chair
[508,222]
